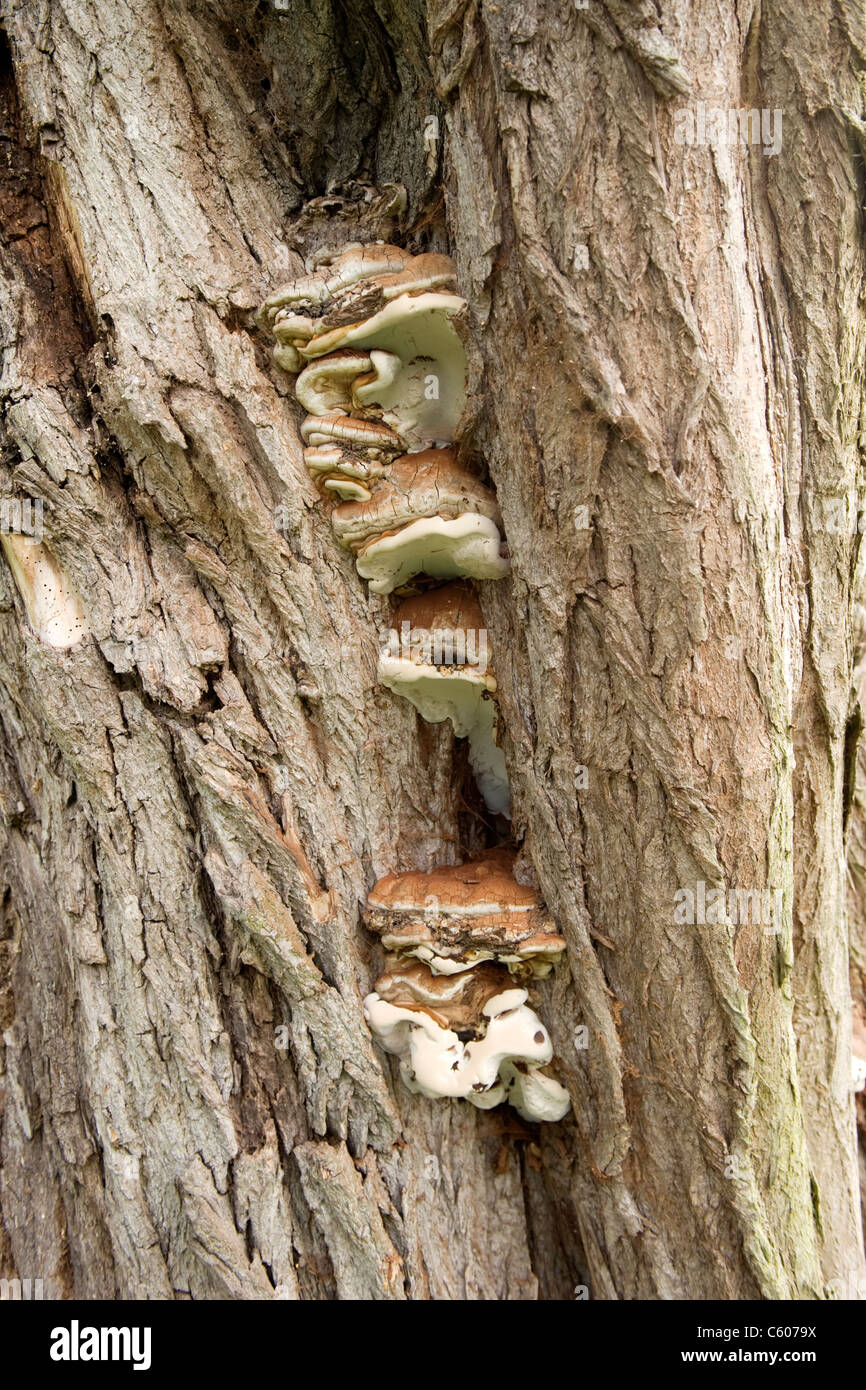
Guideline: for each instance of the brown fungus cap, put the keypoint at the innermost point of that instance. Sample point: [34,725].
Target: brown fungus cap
[336,469]
[331,277]
[352,285]
[428,483]
[420,274]
[366,295]
[452,1001]
[450,607]
[436,656]
[477,907]
[360,435]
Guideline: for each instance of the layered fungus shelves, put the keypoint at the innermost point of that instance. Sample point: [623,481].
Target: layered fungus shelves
[452,1004]
[373,337]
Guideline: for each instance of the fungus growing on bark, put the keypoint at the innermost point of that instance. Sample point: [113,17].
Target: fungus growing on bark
[293,312]
[326,385]
[362,436]
[53,608]
[436,657]
[451,1000]
[417,378]
[330,275]
[507,1043]
[375,327]
[427,516]
[345,455]
[289,330]
[338,471]
[453,1014]
[455,916]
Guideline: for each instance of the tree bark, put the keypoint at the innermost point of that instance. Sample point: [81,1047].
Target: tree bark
[665,345]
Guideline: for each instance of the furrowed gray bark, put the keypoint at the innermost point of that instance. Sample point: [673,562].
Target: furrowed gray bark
[198,797]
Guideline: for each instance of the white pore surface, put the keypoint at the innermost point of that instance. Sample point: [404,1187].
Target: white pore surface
[53,608]
[534,1095]
[438,693]
[436,1063]
[418,330]
[441,965]
[326,383]
[858,1072]
[487,761]
[458,693]
[470,545]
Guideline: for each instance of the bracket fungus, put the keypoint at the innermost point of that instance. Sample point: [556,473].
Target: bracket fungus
[326,385]
[345,455]
[416,378]
[436,657]
[501,1061]
[455,916]
[331,274]
[371,332]
[447,1004]
[291,314]
[428,515]
[381,370]
[52,606]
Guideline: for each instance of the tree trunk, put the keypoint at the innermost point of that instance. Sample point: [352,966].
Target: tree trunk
[665,338]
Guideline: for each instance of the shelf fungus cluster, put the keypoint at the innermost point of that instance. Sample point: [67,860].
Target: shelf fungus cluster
[427,516]
[463,944]
[372,334]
